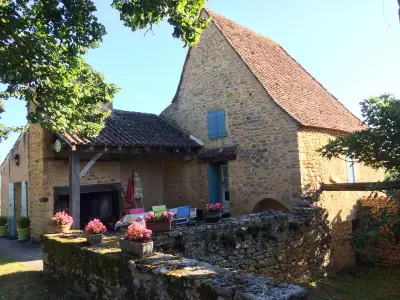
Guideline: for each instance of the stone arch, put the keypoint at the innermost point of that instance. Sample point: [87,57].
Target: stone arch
[269,204]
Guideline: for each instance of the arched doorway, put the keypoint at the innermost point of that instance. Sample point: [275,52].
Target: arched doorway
[269,204]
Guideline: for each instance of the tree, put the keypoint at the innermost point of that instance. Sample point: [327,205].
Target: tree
[42,43]
[378,146]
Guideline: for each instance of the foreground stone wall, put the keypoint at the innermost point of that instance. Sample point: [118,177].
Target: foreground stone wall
[105,273]
[285,246]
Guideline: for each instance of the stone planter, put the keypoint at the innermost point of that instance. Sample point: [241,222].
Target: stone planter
[61,228]
[23,234]
[3,230]
[137,249]
[159,226]
[211,217]
[94,239]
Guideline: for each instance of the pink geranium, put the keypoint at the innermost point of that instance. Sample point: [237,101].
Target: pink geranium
[137,232]
[95,227]
[217,207]
[62,218]
[149,217]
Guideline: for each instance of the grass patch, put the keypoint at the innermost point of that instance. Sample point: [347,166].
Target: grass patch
[367,283]
[19,282]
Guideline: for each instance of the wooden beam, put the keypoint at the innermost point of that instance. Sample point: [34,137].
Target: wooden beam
[90,164]
[74,188]
[361,186]
[137,150]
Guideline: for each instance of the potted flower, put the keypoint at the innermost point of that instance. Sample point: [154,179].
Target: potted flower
[213,212]
[23,228]
[61,222]
[137,240]
[3,226]
[158,222]
[94,232]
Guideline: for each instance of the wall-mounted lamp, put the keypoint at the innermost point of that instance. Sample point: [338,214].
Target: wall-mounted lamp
[16,159]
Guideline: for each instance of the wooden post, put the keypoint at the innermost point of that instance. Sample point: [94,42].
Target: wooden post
[74,188]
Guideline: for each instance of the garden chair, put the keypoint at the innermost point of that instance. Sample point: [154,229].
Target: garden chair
[183,215]
[159,208]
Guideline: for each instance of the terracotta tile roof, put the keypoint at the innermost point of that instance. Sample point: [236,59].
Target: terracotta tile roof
[126,128]
[286,81]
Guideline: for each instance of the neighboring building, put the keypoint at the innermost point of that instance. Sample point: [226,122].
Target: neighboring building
[260,116]
[129,141]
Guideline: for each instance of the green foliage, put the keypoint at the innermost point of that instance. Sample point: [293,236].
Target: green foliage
[228,240]
[377,146]
[375,225]
[41,48]
[183,15]
[24,222]
[3,220]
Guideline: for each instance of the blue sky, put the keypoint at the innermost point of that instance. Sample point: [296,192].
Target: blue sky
[351,47]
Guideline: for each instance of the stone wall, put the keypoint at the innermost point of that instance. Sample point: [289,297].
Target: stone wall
[284,246]
[341,206]
[105,273]
[387,252]
[215,77]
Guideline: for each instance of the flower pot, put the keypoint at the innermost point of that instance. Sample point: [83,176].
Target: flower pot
[159,226]
[61,228]
[94,239]
[23,234]
[3,230]
[137,249]
[212,217]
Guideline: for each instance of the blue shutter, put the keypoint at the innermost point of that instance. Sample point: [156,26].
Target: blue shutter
[221,127]
[212,125]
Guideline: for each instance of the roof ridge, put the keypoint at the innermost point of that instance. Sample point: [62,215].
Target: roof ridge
[291,94]
[244,61]
[133,112]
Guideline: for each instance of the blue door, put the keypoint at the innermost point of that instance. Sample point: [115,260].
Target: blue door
[214,183]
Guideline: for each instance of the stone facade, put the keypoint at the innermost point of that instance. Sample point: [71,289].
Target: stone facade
[10,173]
[215,78]
[290,247]
[276,157]
[105,273]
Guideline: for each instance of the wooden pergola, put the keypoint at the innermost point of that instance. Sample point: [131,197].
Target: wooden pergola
[75,173]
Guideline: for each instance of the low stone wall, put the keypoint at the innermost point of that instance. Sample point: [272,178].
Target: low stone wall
[387,252]
[103,272]
[287,246]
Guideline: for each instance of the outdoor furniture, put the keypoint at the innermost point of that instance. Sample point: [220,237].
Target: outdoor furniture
[159,208]
[183,215]
[136,211]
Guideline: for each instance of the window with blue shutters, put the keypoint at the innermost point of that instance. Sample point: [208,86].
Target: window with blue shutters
[216,124]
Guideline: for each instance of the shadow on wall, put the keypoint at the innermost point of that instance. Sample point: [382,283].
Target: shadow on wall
[269,204]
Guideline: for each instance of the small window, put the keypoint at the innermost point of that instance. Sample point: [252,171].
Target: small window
[351,173]
[216,124]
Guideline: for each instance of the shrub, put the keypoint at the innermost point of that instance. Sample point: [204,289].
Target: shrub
[137,232]
[95,227]
[24,222]
[62,218]
[3,220]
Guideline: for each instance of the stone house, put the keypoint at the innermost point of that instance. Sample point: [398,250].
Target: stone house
[242,129]
[261,117]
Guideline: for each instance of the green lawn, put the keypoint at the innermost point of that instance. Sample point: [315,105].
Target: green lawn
[19,282]
[366,283]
